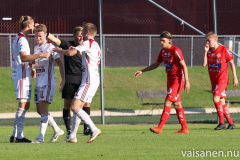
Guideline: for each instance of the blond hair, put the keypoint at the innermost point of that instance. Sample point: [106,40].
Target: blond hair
[76,29]
[211,35]
[41,27]
[25,21]
[168,35]
[90,27]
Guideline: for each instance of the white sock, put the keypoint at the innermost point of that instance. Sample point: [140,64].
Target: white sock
[19,123]
[75,124]
[43,125]
[86,118]
[53,124]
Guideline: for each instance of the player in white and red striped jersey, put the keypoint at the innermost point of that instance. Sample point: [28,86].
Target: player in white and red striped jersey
[46,83]
[217,57]
[91,56]
[21,75]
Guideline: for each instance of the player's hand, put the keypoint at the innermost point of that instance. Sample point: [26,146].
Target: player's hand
[61,85]
[45,55]
[71,47]
[137,73]
[187,86]
[206,48]
[33,74]
[36,24]
[235,82]
[57,49]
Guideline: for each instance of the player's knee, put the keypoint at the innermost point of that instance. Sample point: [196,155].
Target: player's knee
[177,105]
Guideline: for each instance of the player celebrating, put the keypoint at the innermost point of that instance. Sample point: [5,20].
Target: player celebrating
[73,76]
[217,58]
[176,73]
[90,51]
[21,75]
[46,83]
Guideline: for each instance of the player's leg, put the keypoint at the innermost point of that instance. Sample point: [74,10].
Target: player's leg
[67,115]
[181,117]
[86,130]
[217,94]
[227,114]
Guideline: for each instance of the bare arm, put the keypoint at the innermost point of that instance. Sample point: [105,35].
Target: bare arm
[33,74]
[54,39]
[71,52]
[235,80]
[27,58]
[62,73]
[185,71]
[206,48]
[149,68]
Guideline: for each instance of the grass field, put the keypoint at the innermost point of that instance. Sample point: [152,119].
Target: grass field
[120,89]
[127,142]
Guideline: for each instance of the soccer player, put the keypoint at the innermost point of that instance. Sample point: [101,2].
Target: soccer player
[217,57]
[90,52]
[177,75]
[73,76]
[21,75]
[46,83]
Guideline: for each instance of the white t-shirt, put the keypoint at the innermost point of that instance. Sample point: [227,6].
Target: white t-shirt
[45,74]
[20,70]
[91,56]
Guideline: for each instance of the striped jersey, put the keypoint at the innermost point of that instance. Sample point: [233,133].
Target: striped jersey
[45,74]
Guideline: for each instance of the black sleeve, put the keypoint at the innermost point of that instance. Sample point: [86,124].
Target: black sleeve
[64,44]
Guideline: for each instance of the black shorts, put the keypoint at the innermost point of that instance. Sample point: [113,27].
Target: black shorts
[71,86]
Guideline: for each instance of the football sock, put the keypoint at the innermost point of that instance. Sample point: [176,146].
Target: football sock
[67,119]
[87,110]
[164,117]
[219,108]
[226,114]
[19,122]
[43,125]
[86,118]
[75,124]
[181,117]
[52,123]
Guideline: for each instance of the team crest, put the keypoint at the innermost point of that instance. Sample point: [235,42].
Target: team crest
[218,55]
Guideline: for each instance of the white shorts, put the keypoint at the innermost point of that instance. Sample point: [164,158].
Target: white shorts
[86,92]
[44,93]
[22,89]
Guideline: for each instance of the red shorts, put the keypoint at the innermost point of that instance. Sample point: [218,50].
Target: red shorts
[174,89]
[219,90]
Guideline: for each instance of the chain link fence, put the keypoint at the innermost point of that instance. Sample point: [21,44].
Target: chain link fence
[130,42]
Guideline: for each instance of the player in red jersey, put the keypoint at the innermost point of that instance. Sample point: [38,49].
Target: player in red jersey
[177,74]
[217,58]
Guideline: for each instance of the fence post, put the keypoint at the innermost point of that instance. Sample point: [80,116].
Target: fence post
[10,49]
[150,51]
[191,51]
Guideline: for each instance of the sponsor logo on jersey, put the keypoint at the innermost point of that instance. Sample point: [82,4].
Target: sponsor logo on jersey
[213,65]
[28,93]
[209,52]
[163,51]
[169,54]
[215,60]
[213,55]
[168,65]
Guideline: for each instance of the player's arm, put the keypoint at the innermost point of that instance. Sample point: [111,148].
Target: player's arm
[149,68]
[33,74]
[185,71]
[54,39]
[206,48]
[27,58]
[62,73]
[233,68]
[71,52]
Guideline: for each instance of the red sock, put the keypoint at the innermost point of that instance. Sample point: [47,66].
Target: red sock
[164,117]
[181,117]
[219,108]
[226,114]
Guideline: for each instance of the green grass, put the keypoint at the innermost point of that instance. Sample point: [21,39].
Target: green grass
[120,89]
[123,142]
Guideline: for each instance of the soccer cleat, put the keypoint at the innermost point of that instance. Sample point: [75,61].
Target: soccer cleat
[182,131]
[56,135]
[156,130]
[70,140]
[87,132]
[231,126]
[220,126]
[38,140]
[94,135]
[23,140]
[13,139]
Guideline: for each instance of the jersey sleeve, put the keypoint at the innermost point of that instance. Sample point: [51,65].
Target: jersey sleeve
[178,54]
[55,55]
[23,45]
[83,47]
[228,54]
[64,44]
[160,59]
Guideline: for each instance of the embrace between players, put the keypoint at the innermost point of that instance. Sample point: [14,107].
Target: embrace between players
[80,79]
